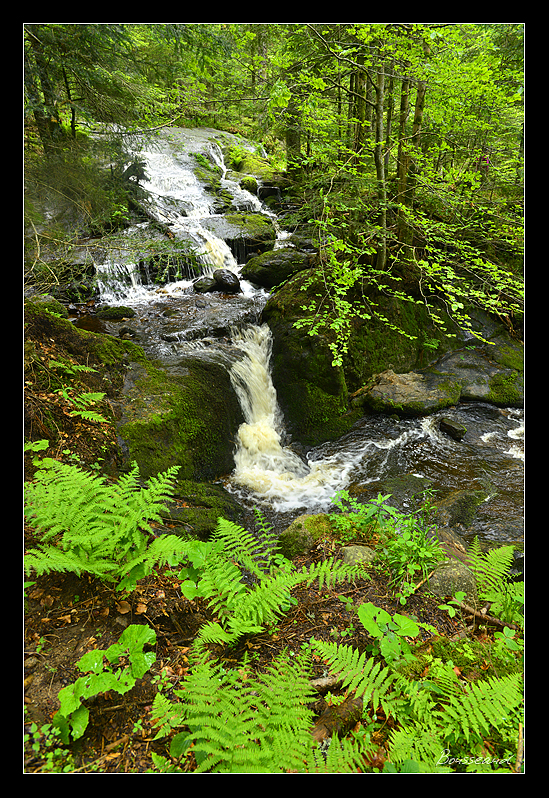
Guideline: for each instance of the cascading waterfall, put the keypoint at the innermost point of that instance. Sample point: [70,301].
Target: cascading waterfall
[267,469]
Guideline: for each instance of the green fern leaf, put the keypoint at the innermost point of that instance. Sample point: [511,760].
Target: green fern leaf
[491,569]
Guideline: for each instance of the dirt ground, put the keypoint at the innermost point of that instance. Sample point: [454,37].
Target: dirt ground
[66,616]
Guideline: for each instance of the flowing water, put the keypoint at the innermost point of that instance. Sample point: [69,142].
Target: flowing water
[172,321]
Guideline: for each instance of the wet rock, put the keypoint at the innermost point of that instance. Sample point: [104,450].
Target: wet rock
[453,428]
[411,394]
[273,268]
[204,285]
[115,312]
[303,533]
[226,281]
[460,507]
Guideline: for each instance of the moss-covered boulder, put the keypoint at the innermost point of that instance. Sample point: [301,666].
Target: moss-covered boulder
[198,507]
[303,533]
[410,394]
[276,266]
[459,508]
[188,417]
[115,313]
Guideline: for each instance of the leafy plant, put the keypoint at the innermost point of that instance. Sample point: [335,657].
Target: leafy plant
[89,525]
[237,722]
[45,745]
[410,554]
[453,605]
[73,716]
[361,521]
[388,632]
[81,401]
[491,570]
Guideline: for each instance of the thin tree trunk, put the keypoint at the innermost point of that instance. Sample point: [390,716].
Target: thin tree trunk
[380,165]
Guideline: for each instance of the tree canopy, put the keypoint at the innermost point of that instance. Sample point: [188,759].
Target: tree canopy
[404,141]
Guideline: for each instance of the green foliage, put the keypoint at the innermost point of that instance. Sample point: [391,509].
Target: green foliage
[45,743]
[360,675]
[245,582]
[448,719]
[410,553]
[89,525]
[73,716]
[388,632]
[360,521]
[491,570]
[236,722]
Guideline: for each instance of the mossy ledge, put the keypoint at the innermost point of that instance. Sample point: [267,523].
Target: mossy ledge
[187,415]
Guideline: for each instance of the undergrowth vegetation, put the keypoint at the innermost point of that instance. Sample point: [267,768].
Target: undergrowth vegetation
[414,703]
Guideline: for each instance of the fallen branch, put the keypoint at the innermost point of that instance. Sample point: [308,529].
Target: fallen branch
[484,616]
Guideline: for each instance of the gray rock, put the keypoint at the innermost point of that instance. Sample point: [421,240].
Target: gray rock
[452,577]
[353,555]
[453,428]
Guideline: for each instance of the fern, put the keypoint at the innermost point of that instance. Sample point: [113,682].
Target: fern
[236,722]
[443,714]
[364,677]
[491,569]
[245,591]
[90,525]
[240,723]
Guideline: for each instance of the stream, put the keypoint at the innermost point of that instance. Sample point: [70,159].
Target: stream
[173,320]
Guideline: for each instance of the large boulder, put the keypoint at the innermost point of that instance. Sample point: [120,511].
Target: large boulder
[410,393]
[489,372]
[275,267]
[186,416]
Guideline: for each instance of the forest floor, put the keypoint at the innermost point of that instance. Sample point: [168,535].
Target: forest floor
[67,616]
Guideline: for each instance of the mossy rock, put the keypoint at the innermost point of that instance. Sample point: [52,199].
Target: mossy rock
[115,313]
[187,417]
[249,183]
[275,267]
[451,578]
[199,507]
[48,303]
[303,534]
[411,394]
[244,233]
[459,507]
[354,555]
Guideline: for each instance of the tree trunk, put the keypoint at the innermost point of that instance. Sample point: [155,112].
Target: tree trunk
[44,106]
[380,164]
[293,138]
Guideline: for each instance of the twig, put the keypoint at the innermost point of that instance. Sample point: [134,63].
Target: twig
[484,617]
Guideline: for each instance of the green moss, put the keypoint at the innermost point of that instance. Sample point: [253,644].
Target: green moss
[115,312]
[200,506]
[510,357]
[506,390]
[188,420]
[303,533]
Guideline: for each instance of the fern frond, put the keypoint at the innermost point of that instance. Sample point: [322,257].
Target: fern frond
[486,706]
[98,525]
[421,742]
[48,559]
[364,677]
[242,723]
[491,569]
[240,544]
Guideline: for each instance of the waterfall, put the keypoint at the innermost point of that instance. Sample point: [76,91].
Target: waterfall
[172,322]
